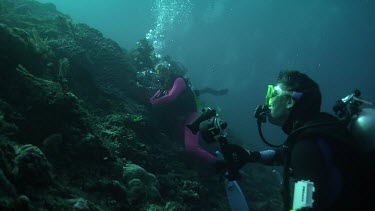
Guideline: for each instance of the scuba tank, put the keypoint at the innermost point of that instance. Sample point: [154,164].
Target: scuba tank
[360,121]
[363,128]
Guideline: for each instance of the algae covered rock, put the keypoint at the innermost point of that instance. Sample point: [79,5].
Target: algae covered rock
[6,187]
[74,93]
[133,171]
[169,206]
[141,184]
[17,41]
[79,204]
[120,136]
[32,167]
[7,126]
[38,100]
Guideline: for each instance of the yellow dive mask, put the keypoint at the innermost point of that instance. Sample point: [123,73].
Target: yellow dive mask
[269,94]
[272,90]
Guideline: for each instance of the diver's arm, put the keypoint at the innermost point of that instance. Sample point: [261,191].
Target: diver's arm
[272,157]
[178,87]
[239,156]
[267,157]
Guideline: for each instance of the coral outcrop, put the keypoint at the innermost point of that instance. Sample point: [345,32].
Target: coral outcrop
[75,126]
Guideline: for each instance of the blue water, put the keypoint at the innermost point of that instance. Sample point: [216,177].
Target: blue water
[242,45]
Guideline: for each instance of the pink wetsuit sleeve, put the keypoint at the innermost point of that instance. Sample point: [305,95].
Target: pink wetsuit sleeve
[178,86]
[192,143]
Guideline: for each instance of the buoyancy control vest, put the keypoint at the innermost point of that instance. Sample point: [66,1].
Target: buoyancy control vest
[174,113]
[346,156]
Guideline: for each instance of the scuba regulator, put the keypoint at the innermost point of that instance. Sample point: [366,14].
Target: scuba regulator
[261,114]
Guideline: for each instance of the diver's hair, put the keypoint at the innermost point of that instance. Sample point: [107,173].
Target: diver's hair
[311,100]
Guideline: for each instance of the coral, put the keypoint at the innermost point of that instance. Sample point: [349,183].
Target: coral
[79,204]
[133,171]
[89,150]
[39,45]
[64,67]
[169,206]
[53,146]
[137,118]
[175,206]
[141,184]
[44,101]
[16,42]
[189,192]
[32,167]
[112,192]
[119,138]
[117,189]
[153,207]
[137,192]
[6,187]
[7,129]
[23,203]
[94,129]
[7,155]
[65,23]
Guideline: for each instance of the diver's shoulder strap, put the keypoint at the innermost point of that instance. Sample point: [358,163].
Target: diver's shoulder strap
[325,127]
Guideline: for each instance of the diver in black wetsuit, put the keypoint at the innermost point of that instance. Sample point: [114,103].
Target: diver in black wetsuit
[319,148]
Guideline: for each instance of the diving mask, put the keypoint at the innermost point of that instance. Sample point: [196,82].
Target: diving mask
[272,91]
[269,95]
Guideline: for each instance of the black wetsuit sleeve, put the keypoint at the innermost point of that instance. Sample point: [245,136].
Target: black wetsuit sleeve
[312,159]
[273,157]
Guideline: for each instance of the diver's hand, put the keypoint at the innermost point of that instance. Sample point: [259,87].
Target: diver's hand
[237,156]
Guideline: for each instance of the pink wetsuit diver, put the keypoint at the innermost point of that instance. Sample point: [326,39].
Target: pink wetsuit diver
[191,140]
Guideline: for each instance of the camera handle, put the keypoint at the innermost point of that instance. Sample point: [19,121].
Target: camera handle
[235,196]
[235,156]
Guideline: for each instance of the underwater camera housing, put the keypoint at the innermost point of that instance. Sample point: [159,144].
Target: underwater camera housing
[209,125]
[359,121]
[213,129]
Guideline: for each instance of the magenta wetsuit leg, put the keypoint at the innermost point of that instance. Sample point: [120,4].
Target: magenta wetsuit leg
[192,142]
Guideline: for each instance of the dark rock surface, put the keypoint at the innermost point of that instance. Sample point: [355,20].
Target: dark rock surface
[75,126]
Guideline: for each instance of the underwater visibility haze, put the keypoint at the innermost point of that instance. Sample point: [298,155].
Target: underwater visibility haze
[77,130]
[242,45]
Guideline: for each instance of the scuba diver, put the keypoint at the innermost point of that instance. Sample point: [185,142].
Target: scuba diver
[324,168]
[174,104]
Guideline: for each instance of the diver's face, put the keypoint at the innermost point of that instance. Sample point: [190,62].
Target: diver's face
[280,105]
